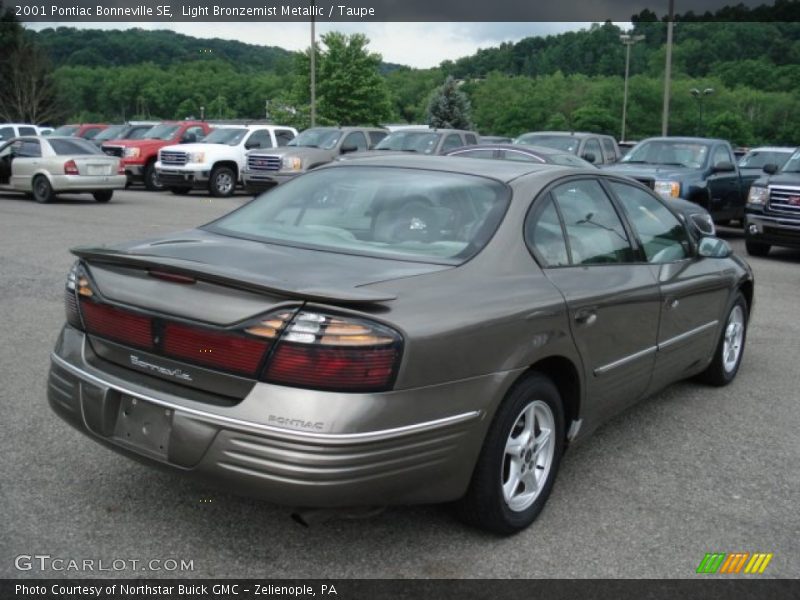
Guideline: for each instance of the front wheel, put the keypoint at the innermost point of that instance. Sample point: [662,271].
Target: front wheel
[517,466]
[222,183]
[730,349]
[103,196]
[151,179]
[42,190]
[756,248]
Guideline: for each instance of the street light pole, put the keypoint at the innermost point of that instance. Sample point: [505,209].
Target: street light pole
[313,68]
[668,69]
[699,97]
[628,41]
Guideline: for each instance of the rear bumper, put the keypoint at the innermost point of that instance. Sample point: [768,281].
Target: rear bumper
[285,445]
[772,229]
[86,183]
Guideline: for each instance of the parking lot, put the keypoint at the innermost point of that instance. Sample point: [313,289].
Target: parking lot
[689,471]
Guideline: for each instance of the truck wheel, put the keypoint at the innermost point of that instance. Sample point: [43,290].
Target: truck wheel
[151,180]
[517,466]
[180,191]
[756,248]
[42,190]
[103,196]
[222,182]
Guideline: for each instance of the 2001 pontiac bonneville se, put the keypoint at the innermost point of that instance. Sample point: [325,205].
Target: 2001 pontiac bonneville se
[397,330]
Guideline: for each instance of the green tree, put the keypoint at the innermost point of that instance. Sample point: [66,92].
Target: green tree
[449,107]
[730,126]
[350,88]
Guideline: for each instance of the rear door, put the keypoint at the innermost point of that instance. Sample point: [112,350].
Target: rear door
[27,160]
[613,302]
[693,291]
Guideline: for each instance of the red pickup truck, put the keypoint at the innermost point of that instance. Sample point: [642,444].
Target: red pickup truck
[139,156]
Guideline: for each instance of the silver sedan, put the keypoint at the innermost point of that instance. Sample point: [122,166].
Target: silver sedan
[46,166]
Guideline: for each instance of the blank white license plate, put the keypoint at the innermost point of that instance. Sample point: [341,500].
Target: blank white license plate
[97,170]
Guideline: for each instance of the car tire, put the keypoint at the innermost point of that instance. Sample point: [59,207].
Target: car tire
[151,181]
[42,190]
[756,248]
[103,196]
[532,410]
[222,183]
[180,191]
[730,348]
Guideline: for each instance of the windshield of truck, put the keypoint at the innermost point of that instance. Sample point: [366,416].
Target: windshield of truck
[793,164]
[423,142]
[232,137]
[317,138]
[668,152]
[66,130]
[756,159]
[111,133]
[164,132]
[567,143]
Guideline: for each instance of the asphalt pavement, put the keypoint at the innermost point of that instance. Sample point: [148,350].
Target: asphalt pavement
[692,470]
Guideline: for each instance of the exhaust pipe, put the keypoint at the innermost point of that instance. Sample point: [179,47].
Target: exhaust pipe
[310,516]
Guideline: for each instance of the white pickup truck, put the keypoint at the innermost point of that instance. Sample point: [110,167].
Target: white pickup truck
[217,162]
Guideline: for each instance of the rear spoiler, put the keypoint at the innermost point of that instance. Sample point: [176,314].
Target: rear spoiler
[231,277]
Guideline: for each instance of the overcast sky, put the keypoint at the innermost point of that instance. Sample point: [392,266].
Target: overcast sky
[414,44]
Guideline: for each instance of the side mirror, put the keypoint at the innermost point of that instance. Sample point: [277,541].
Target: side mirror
[770,168]
[712,247]
[589,156]
[724,167]
[189,138]
[349,148]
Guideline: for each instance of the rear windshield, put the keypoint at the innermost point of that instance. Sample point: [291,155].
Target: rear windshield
[423,142]
[65,130]
[567,143]
[756,159]
[111,133]
[76,146]
[376,211]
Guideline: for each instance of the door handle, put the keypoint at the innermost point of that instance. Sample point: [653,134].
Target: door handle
[585,316]
[673,303]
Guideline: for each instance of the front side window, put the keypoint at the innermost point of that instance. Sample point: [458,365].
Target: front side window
[423,142]
[593,147]
[594,231]
[283,136]
[404,214]
[355,140]
[259,139]
[477,153]
[721,154]
[6,133]
[452,141]
[608,150]
[543,233]
[163,132]
[663,236]
[29,149]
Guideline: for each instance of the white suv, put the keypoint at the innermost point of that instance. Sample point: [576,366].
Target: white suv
[12,130]
[217,162]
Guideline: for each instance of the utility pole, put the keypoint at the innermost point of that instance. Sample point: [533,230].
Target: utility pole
[628,41]
[668,69]
[313,67]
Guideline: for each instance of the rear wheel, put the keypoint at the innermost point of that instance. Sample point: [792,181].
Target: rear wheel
[756,248]
[517,466]
[728,355]
[222,182]
[42,190]
[103,196]
[151,179]
[180,191]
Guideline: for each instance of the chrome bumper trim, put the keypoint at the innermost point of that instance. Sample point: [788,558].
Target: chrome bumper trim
[291,434]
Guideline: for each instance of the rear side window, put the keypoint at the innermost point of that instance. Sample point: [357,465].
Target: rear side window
[283,136]
[479,153]
[75,146]
[376,136]
[595,233]
[609,150]
[663,237]
[544,234]
[471,139]
[28,131]
[521,157]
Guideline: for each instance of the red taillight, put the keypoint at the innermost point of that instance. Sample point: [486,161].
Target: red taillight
[340,369]
[120,169]
[70,168]
[117,324]
[223,350]
[335,353]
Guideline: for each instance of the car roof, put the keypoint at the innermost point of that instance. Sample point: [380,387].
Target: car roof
[524,148]
[580,134]
[502,170]
[786,149]
[432,130]
[685,139]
